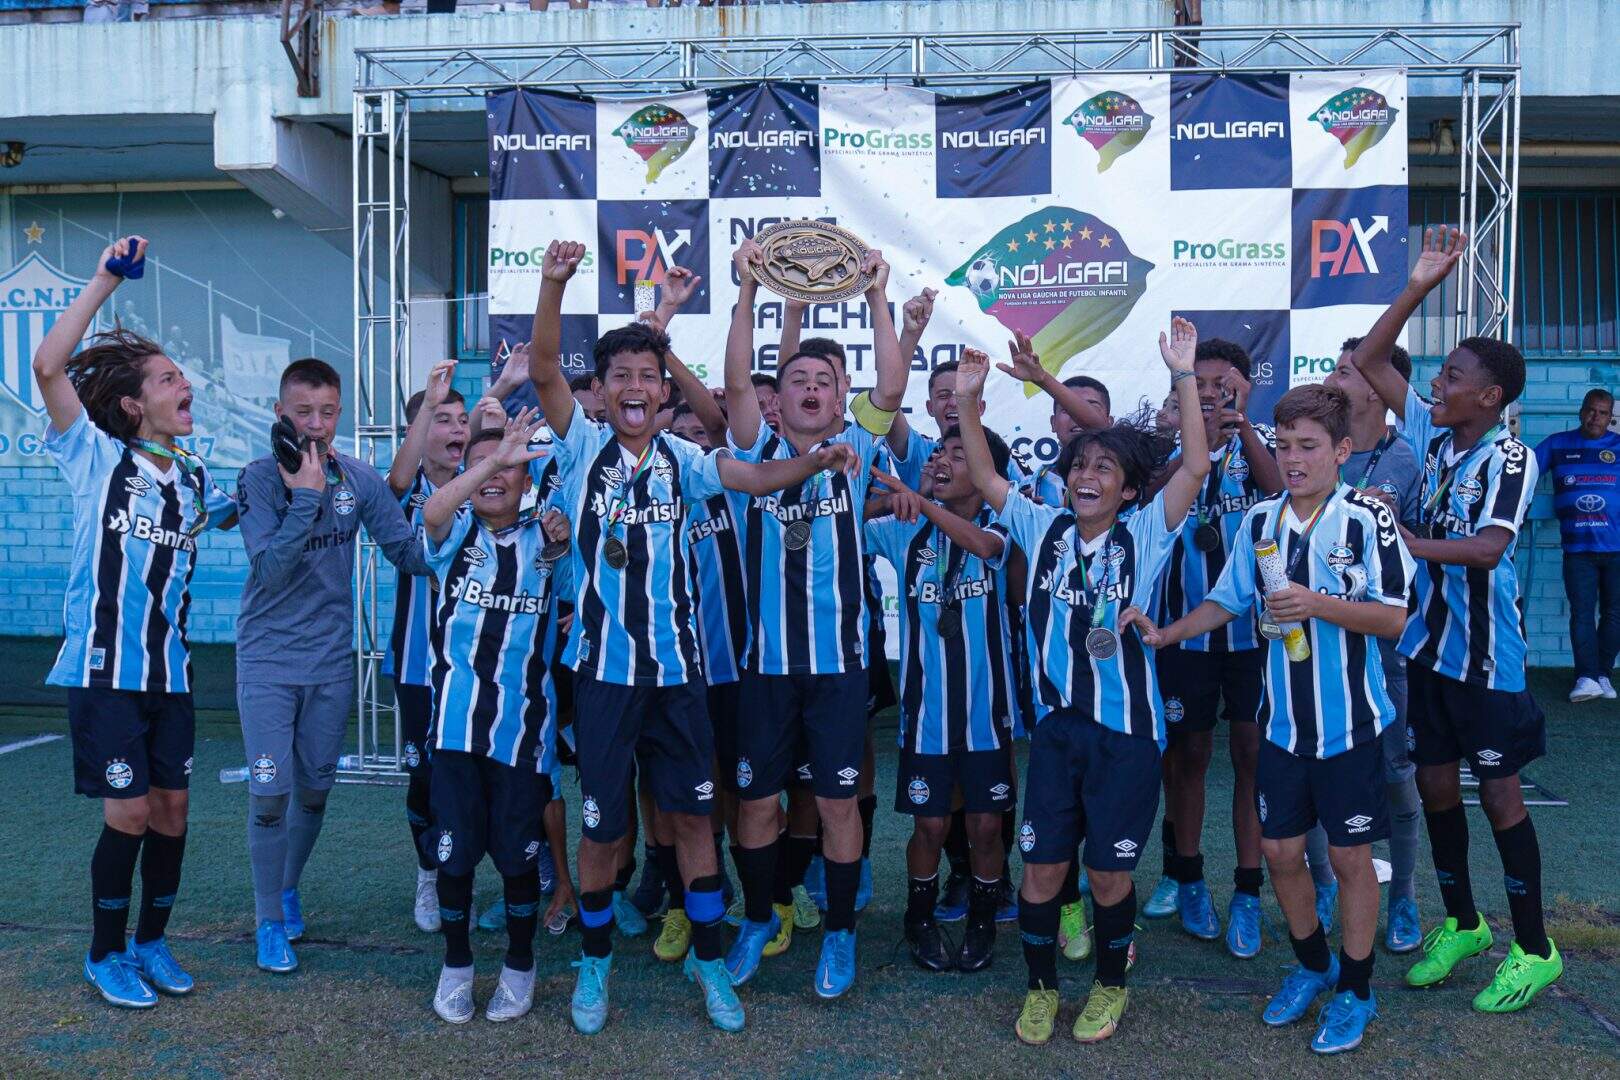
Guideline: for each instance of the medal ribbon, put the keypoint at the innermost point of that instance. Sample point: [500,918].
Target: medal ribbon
[955,560]
[1217,477]
[1098,605]
[1305,534]
[1449,475]
[525,519]
[190,467]
[1372,462]
[621,501]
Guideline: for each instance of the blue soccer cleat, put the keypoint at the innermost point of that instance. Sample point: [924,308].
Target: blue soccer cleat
[1404,932]
[292,914]
[589,1007]
[1161,904]
[160,969]
[492,920]
[1299,991]
[953,902]
[631,922]
[719,996]
[1327,904]
[1197,911]
[117,979]
[1007,903]
[1342,1022]
[863,891]
[1085,882]
[815,881]
[835,973]
[1243,926]
[743,959]
[275,952]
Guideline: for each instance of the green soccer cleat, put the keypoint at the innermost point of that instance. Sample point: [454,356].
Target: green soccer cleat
[1035,1023]
[806,916]
[675,938]
[1104,1009]
[1519,979]
[1444,948]
[1074,936]
[784,937]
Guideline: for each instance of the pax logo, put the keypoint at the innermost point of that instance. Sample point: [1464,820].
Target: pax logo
[1345,247]
[642,241]
[1350,245]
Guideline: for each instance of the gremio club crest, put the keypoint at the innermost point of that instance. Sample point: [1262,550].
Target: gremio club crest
[33,294]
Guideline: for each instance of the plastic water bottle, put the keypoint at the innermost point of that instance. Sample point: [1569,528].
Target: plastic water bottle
[237,775]
[1274,578]
[351,762]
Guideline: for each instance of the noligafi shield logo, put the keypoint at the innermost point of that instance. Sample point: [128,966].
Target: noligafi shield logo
[1113,123]
[1359,118]
[658,135]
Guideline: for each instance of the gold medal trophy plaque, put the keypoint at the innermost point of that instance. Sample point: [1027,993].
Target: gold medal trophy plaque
[811,261]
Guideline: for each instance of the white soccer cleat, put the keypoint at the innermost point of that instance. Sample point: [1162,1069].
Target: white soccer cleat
[1608,688]
[427,901]
[453,1000]
[513,997]
[1585,690]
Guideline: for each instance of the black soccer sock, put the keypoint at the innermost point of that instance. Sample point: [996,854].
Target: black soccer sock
[669,868]
[522,892]
[1167,841]
[1448,841]
[706,910]
[112,879]
[798,852]
[1188,869]
[782,876]
[595,922]
[455,903]
[984,897]
[1312,951]
[843,880]
[416,814]
[736,862]
[1070,891]
[1521,873]
[627,872]
[756,868]
[1355,975]
[956,844]
[1038,927]
[1245,879]
[867,805]
[160,881]
[1115,924]
[921,896]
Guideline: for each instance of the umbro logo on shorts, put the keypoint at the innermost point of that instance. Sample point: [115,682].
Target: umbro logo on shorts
[705,790]
[999,792]
[1358,823]
[1488,757]
[1124,848]
[532,850]
[847,775]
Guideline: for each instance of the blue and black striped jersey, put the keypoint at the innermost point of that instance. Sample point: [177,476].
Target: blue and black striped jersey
[1228,492]
[1466,623]
[956,690]
[409,659]
[135,531]
[494,631]
[715,541]
[1122,567]
[633,624]
[807,606]
[1335,699]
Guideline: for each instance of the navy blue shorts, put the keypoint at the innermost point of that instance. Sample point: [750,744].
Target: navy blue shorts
[479,806]
[788,722]
[1196,684]
[923,783]
[1498,731]
[1089,782]
[659,734]
[724,707]
[415,712]
[126,742]
[1344,793]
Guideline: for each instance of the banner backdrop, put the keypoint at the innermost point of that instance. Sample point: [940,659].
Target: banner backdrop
[1270,210]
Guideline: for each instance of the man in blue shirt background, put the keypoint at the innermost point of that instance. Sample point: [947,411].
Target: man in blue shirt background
[1584,465]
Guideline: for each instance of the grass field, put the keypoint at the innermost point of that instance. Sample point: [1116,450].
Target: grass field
[360,1001]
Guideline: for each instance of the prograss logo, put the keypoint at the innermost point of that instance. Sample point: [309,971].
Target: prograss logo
[877,141]
[1359,118]
[1113,123]
[658,135]
[1228,252]
[1308,370]
[1064,277]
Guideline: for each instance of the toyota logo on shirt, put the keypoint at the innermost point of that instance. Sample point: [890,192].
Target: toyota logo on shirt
[1590,504]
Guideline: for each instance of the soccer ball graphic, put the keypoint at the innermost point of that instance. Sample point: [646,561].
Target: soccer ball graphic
[981,275]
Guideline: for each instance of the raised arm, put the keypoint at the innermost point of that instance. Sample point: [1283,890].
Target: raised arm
[1482,551]
[906,505]
[52,356]
[792,325]
[514,450]
[892,367]
[1180,491]
[679,285]
[403,468]
[1263,467]
[915,314]
[769,477]
[1298,603]
[1026,365]
[545,359]
[742,407]
[1441,250]
[970,373]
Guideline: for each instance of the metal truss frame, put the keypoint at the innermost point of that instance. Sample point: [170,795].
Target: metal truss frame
[1481,60]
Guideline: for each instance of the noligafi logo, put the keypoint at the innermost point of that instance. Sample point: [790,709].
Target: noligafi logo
[538,140]
[995,139]
[773,139]
[1229,252]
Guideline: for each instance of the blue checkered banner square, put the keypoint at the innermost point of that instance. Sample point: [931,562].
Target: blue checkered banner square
[1272,209]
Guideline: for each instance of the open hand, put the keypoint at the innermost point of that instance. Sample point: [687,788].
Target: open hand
[438,384]
[679,286]
[1150,634]
[520,431]
[838,456]
[971,368]
[1442,248]
[1023,363]
[1180,346]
